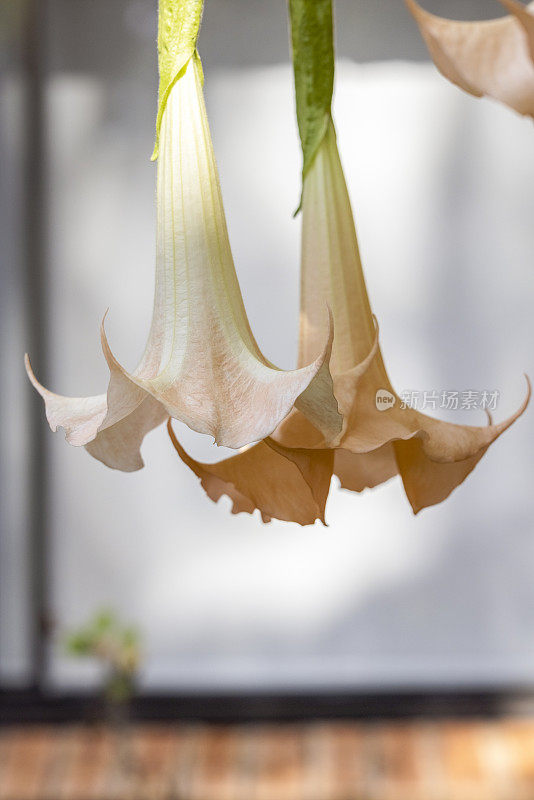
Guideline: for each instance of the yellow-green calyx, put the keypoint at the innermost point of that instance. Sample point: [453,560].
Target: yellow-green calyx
[313,63]
[178,26]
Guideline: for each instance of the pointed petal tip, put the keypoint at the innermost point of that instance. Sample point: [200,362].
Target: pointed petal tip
[526,401]
[514,7]
[219,441]
[28,367]
[31,375]
[318,402]
[374,349]
[103,323]
[106,349]
[523,407]
[326,352]
[29,370]
[349,380]
[414,7]
[40,389]
[419,13]
[103,337]
[174,439]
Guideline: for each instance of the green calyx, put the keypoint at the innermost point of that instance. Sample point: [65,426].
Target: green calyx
[178,26]
[312,39]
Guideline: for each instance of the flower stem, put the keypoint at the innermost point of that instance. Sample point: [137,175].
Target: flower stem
[312,39]
[178,27]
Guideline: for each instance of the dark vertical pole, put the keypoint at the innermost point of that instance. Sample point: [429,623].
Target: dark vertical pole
[35,296]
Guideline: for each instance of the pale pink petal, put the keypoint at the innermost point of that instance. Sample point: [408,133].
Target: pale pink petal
[118,446]
[80,417]
[485,58]
[110,426]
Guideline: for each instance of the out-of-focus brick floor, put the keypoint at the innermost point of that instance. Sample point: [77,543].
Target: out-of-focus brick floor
[323,761]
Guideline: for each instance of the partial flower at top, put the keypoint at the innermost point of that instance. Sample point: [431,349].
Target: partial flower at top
[492,57]
[201,364]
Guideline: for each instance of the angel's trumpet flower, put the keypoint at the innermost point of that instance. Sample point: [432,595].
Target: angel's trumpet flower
[493,57]
[201,364]
[432,457]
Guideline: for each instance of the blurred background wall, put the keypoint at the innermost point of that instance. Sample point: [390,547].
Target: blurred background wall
[443,191]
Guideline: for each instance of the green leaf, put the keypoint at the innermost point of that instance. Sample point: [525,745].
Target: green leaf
[104,621]
[312,39]
[130,637]
[80,643]
[178,26]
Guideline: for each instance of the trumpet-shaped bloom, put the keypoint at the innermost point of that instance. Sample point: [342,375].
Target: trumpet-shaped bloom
[431,456]
[201,364]
[493,57]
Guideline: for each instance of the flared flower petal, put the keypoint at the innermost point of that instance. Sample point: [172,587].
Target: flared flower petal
[492,57]
[427,481]
[111,426]
[283,483]
[80,417]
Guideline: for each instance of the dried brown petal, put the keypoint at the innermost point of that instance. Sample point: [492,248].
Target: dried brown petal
[286,484]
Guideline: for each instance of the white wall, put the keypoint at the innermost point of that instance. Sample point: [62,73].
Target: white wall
[443,191]
[380,596]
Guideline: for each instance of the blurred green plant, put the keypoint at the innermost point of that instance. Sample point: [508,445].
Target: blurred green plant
[116,646]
